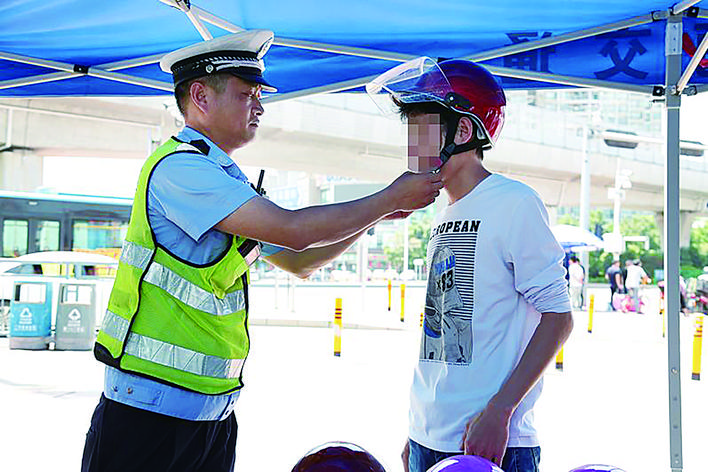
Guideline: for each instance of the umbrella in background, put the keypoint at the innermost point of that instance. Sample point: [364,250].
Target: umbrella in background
[574,239]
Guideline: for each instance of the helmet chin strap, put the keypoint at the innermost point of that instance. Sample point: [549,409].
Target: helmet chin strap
[450,148]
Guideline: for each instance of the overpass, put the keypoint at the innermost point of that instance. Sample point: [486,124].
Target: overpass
[344,135]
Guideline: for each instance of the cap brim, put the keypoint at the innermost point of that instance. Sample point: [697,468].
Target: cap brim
[256,79]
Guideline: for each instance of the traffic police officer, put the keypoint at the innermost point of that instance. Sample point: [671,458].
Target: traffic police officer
[174,338]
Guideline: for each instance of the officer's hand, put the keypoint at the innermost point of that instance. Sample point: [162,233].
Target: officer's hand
[413,191]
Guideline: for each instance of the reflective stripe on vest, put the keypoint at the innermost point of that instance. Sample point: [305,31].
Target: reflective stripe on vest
[115,326]
[193,295]
[182,289]
[181,358]
[135,255]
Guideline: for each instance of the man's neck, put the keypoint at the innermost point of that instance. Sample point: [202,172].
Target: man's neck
[204,130]
[465,178]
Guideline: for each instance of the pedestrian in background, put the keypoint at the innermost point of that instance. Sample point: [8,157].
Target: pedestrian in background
[576,281]
[613,274]
[636,276]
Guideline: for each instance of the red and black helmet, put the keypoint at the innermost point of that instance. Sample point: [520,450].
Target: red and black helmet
[338,457]
[461,86]
[476,93]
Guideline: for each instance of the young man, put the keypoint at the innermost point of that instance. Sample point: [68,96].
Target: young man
[175,336]
[497,307]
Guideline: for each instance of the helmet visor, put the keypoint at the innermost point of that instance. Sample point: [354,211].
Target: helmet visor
[417,81]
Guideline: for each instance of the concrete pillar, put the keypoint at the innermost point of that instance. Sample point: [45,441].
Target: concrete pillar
[686,219]
[659,219]
[314,194]
[20,171]
[552,215]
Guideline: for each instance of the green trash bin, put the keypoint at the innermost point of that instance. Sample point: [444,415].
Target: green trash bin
[76,317]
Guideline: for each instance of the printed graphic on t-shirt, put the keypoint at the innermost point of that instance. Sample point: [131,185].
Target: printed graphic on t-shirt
[447,326]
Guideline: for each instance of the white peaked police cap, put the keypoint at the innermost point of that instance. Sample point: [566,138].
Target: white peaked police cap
[240,54]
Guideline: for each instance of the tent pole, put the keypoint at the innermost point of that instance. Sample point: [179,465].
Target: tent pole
[331,88]
[566,79]
[682,6]
[212,19]
[132,80]
[693,65]
[674,31]
[128,63]
[70,71]
[563,38]
[36,79]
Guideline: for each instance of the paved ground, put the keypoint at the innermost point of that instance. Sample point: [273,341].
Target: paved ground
[610,404]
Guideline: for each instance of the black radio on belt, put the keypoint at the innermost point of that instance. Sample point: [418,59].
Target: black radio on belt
[250,249]
[257,188]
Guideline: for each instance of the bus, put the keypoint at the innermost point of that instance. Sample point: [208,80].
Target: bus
[37,222]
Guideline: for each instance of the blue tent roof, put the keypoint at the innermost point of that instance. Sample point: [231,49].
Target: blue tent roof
[90,34]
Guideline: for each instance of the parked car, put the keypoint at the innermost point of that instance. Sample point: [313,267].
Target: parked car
[53,263]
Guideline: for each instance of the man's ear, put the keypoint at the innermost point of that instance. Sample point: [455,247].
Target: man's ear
[465,130]
[198,96]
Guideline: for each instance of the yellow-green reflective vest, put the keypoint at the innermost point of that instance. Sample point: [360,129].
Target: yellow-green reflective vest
[172,321]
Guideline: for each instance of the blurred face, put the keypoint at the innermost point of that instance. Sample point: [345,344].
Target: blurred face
[425,138]
[235,116]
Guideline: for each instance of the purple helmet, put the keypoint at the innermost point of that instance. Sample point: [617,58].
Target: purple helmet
[338,457]
[597,468]
[465,464]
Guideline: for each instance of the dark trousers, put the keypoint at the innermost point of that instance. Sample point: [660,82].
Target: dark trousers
[123,438]
[613,290]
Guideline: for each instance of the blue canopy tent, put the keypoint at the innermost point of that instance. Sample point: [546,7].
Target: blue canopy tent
[653,47]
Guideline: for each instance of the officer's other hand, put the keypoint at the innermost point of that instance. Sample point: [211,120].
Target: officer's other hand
[398,215]
[413,191]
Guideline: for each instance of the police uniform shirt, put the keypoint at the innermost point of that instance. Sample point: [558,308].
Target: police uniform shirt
[187,195]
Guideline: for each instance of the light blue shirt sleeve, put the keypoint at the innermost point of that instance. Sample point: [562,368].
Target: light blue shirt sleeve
[196,193]
[190,193]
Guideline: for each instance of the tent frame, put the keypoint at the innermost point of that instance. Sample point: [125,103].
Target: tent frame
[676,84]
[198,16]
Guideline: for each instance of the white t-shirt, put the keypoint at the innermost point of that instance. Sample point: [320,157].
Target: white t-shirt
[576,274]
[494,266]
[635,274]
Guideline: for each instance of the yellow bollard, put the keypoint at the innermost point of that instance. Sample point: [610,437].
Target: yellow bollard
[422,317]
[403,300]
[559,360]
[389,294]
[662,310]
[338,327]
[697,348]
[591,312]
